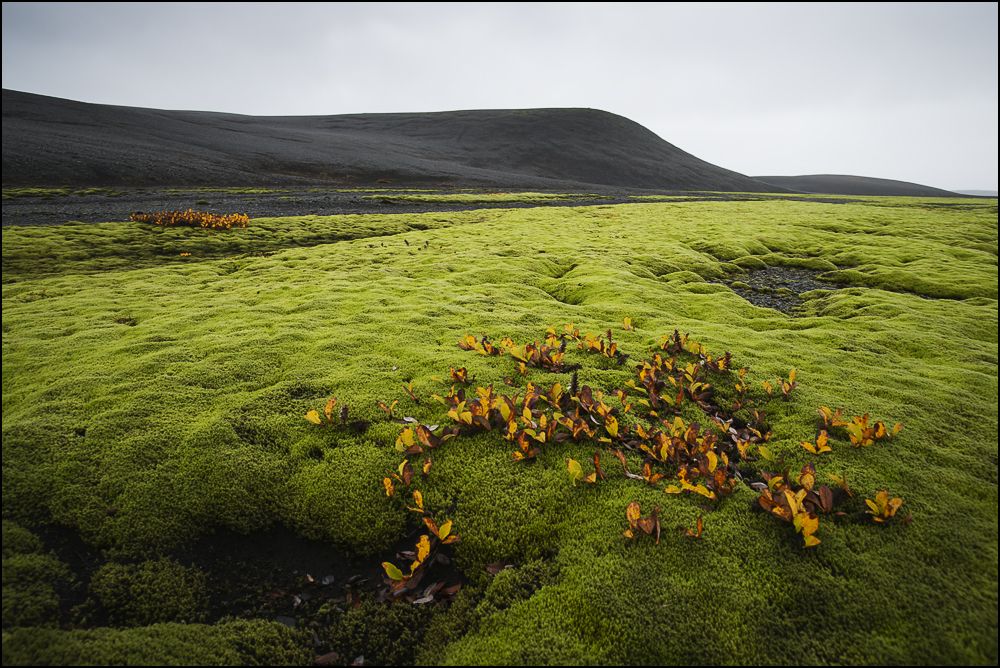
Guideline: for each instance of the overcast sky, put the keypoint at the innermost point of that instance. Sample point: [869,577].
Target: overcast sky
[897,91]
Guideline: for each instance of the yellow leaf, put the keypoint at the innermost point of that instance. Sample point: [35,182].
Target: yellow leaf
[313,416]
[574,468]
[806,524]
[713,460]
[612,425]
[807,480]
[423,549]
[704,491]
[633,513]
[419,499]
[392,571]
[329,408]
[444,530]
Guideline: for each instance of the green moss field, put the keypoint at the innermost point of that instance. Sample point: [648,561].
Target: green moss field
[155,383]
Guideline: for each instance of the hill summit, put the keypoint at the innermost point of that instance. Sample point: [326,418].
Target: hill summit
[48,141]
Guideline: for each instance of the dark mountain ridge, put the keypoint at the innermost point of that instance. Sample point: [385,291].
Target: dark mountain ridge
[48,141]
[841,184]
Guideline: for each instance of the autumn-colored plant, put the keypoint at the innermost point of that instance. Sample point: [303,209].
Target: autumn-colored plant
[193,218]
[646,525]
[314,417]
[404,476]
[576,471]
[680,371]
[797,501]
[862,434]
[883,508]
[402,585]
[699,527]
[831,419]
[820,446]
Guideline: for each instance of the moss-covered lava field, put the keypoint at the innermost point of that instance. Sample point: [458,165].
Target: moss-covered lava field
[166,499]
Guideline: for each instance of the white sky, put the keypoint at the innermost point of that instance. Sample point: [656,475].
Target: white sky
[897,91]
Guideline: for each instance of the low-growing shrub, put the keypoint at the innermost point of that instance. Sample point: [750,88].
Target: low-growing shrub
[193,218]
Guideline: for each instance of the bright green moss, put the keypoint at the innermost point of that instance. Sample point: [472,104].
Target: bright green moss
[174,391]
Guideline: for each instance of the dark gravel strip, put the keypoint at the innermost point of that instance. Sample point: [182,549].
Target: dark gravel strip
[297,201]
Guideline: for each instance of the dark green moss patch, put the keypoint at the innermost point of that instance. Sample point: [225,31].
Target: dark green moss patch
[150,592]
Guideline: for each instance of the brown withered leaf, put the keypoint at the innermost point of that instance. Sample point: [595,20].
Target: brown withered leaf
[496,567]
[826,499]
[452,590]
[326,659]
[407,473]
[597,465]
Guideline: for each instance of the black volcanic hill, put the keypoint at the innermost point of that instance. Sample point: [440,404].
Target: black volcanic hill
[839,184]
[48,141]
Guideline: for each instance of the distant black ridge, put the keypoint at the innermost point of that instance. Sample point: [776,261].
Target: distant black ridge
[49,140]
[839,184]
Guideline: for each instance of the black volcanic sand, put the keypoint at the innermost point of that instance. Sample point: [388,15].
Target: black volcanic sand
[117,204]
[49,140]
[273,575]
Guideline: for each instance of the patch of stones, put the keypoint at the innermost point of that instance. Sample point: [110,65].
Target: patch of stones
[777,288]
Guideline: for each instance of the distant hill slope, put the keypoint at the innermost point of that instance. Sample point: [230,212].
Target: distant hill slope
[839,184]
[50,140]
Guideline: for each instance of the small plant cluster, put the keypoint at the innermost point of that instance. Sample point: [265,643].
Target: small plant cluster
[551,354]
[404,586]
[858,430]
[699,459]
[314,417]
[799,501]
[193,219]
[651,524]
[689,457]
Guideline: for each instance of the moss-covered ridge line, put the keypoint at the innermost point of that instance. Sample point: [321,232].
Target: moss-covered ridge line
[188,415]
